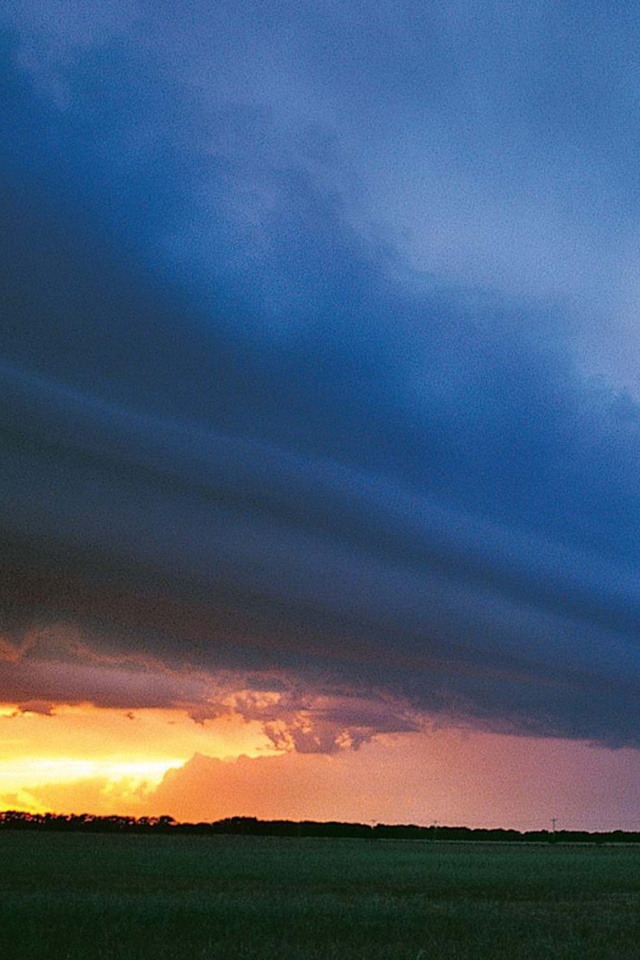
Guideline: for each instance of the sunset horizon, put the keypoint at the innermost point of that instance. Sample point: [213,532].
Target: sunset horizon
[94,765]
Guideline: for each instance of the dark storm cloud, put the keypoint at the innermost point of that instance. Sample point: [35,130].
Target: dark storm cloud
[238,432]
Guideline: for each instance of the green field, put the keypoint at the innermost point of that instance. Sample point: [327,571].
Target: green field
[232,898]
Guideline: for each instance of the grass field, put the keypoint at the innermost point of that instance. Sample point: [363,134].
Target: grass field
[226,898]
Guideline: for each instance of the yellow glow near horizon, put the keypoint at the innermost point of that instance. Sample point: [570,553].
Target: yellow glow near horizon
[126,752]
[83,759]
[30,772]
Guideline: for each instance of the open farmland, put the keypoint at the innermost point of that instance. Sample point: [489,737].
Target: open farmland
[235,898]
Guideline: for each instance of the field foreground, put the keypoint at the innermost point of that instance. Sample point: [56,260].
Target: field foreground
[232,898]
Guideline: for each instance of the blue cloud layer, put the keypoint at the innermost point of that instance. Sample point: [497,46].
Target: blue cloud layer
[224,382]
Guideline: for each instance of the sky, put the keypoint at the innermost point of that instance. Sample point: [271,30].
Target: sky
[320,420]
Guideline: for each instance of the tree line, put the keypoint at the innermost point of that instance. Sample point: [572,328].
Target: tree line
[252,826]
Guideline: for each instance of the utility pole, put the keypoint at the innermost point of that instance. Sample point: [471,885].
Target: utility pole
[554,820]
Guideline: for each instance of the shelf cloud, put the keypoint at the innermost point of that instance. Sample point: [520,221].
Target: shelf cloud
[323,395]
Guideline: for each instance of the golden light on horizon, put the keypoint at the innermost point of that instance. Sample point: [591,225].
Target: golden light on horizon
[149,762]
[29,772]
[127,752]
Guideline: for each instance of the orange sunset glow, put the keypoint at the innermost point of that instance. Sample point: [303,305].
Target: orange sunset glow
[126,753]
[153,762]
